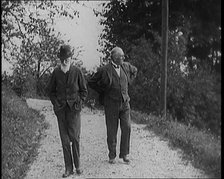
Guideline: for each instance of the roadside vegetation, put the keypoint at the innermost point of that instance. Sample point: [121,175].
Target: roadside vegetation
[22,129]
[199,146]
[193,72]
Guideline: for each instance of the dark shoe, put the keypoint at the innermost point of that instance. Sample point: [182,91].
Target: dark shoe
[79,171]
[112,161]
[67,173]
[126,159]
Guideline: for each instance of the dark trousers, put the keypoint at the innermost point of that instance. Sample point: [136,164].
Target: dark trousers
[115,110]
[69,128]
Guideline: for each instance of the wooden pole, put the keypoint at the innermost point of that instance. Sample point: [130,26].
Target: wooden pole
[163,85]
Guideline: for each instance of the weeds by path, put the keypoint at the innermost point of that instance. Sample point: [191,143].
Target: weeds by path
[200,147]
[21,131]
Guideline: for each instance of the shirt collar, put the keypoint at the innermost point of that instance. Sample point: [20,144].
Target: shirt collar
[115,65]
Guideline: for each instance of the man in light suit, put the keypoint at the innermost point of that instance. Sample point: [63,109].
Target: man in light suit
[111,82]
[67,91]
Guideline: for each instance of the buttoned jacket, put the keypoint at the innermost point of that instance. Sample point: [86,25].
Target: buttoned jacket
[101,81]
[67,88]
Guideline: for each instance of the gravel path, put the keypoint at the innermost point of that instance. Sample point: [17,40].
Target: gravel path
[150,156]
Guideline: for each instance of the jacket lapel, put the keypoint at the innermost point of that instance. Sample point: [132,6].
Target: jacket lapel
[109,71]
[125,71]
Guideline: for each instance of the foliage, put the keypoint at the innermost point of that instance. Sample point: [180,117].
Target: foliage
[194,98]
[21,128]
[201,147]
[30,41]
[144,91]
[34,60]
[201,105]
[193,64]
[199,21]
[26,19]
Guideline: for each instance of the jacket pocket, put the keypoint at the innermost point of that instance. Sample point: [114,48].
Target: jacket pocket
[75,105]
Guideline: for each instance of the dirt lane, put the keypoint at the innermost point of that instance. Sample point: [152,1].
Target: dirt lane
[150,156]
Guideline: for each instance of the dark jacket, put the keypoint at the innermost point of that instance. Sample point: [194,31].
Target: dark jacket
[67,88]
[101,81]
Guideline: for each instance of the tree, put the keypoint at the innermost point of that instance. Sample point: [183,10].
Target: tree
[193,55]
[198,21]
[29,39]
[24,19]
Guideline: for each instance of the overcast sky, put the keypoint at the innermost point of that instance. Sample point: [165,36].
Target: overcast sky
[83,31]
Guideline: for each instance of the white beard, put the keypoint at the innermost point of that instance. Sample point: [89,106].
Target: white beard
[65,68]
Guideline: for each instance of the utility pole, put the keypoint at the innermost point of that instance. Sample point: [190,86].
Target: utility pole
[163,84]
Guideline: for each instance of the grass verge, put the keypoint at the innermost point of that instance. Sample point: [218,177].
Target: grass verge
[200,147]
[21,131]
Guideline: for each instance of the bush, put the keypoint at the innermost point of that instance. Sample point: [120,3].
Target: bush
[196,100]
[144,91]
[193,96]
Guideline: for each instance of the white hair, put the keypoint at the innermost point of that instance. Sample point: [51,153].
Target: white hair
[116,50]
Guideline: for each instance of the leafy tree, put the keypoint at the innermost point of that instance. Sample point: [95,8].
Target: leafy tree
[193,55]
[29,39]
[25,19]
[198,20]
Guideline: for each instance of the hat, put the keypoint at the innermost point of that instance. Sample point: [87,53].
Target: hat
[65,52]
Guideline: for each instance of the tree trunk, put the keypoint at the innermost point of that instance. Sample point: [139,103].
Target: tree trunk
[38,77]
[163,86]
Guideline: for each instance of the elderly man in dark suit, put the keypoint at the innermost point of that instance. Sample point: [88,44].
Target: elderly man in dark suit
[111,82]
[67,91]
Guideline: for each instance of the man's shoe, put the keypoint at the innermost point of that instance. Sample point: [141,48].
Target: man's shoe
[79,171]
[112,161]
[67,173]
[126,159]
